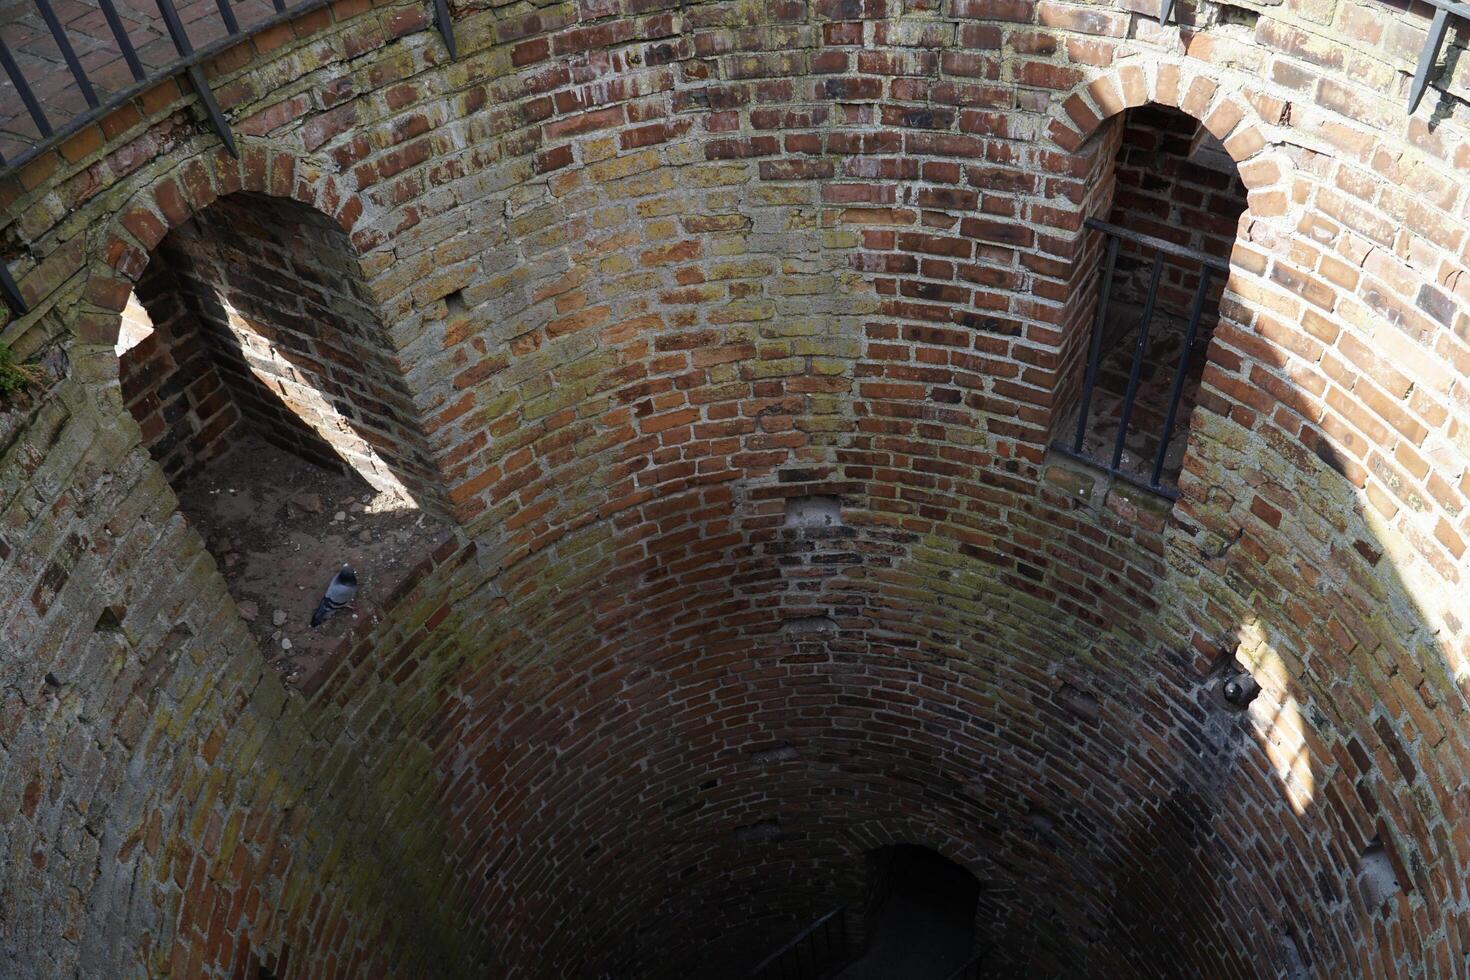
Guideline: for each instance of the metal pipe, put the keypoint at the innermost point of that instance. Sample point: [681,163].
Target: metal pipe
[446,27]
[1144,324]
[1177,391]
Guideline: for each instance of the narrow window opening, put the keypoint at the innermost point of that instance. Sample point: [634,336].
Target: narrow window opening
[1162,258]
[255,364]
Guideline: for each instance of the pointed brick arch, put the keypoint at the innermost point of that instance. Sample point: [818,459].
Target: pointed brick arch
[1181,85]
[1078,127]
[324,363]
[146,218]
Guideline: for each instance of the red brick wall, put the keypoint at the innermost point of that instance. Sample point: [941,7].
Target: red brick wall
[1162,192]
[170,384]
[650,273]
[276,294]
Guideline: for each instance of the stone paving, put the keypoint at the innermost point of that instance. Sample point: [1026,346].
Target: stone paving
[24,31]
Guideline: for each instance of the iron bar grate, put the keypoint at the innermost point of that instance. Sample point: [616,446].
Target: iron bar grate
[1086,443]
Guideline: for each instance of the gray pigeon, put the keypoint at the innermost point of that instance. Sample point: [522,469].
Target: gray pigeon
[340,591]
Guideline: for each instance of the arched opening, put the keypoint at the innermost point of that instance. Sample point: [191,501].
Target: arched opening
[916,921]
[1165,212]
[920,916]
[258,369]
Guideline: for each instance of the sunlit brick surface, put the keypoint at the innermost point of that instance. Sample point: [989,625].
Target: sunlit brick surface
[646,273]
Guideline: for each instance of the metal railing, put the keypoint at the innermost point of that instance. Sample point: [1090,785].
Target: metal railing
[188,60]
[1209,265]
[811,954]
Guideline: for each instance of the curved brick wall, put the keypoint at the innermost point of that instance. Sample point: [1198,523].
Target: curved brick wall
[644,276]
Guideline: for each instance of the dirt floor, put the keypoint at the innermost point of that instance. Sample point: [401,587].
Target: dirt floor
[280,528]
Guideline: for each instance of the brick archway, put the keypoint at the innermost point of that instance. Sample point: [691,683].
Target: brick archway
[1181,85]
[143,221]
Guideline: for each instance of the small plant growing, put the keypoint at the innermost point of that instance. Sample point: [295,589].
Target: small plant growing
[13,375]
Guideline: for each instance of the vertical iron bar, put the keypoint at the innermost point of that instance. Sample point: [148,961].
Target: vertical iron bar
[228,16]
[23,90]
[59,34]
[1097,337]
[124,43]
[176,31]
[216,117]
[196,76]
[1138,350]
[280,6]
[12,291]
[1428,56]
[1166,7]
[1177,391]
[446,29]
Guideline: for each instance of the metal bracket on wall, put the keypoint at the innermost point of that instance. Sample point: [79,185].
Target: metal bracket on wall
[12,292]
[446,26]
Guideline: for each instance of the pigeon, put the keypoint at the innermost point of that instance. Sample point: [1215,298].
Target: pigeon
[340,591]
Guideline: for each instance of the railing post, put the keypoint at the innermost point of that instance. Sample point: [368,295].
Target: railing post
[1428,56]
[446,26]
[196,76]
[13,298]
[124,44]
[63,44]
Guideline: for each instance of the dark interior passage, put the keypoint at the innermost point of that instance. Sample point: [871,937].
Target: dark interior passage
[923,925]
